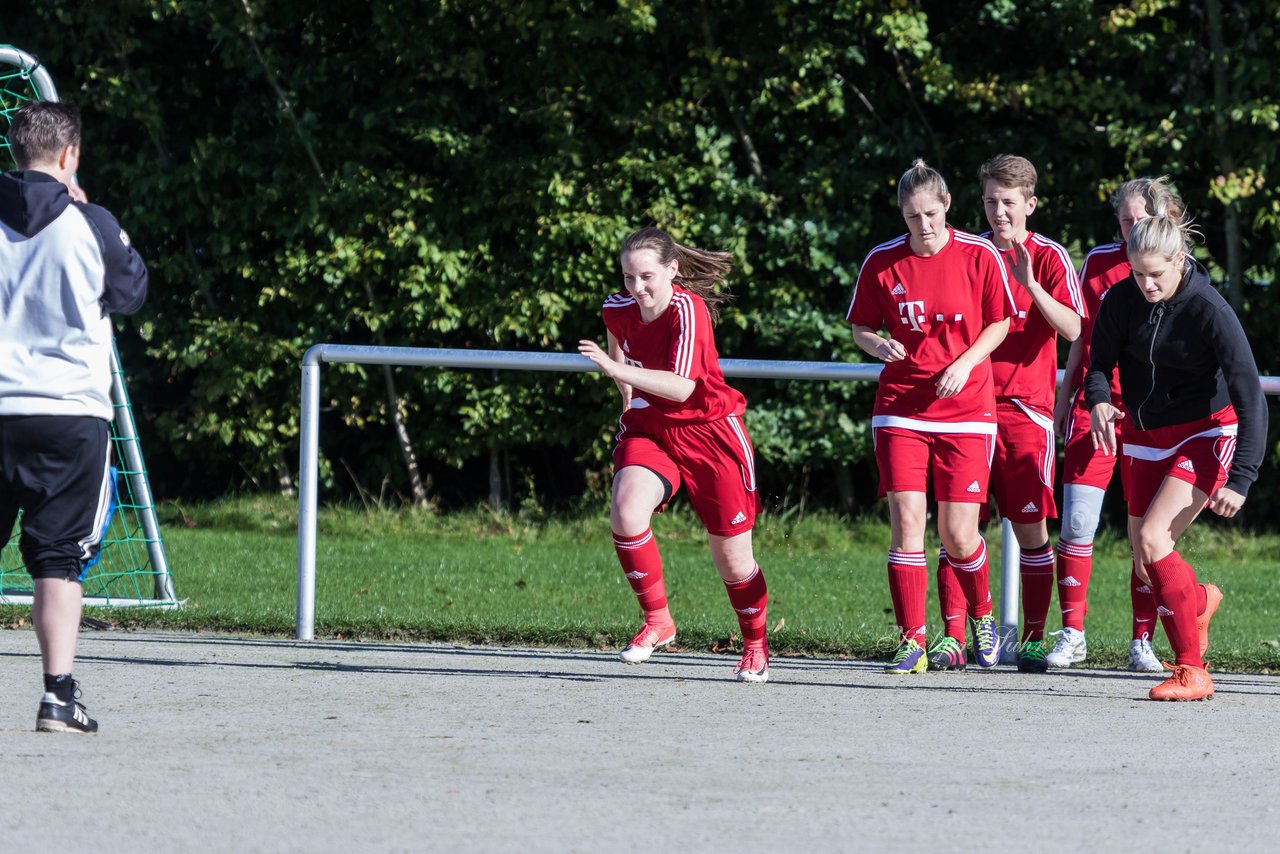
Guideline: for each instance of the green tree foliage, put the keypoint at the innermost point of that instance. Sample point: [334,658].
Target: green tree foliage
[459,174]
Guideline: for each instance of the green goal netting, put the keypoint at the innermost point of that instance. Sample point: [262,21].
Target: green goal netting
[132,568]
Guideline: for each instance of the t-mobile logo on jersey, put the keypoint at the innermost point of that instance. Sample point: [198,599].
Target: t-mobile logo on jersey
[912,312]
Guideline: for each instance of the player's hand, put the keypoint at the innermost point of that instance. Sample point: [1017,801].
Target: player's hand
[1022,265]
[889,350]
[593,351]
[625,390]
[953,379]
[1061,413]
[1226,502]
[77,192]
[1102,427]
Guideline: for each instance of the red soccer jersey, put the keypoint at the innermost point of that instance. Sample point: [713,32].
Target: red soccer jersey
[936,306]
[1024,366]
[1105,266]
[680,340]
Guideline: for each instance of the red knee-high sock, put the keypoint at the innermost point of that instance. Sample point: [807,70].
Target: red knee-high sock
[750,599]
[643,567]
[973,572]
[1174,584]
[1036,570]
[1144,607]
[1075,565]
[908,583]
[950,598]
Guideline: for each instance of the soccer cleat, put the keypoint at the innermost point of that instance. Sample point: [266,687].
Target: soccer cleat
[754,666]
[1187,683]
[909,658]
[986,641]
[1212,599]
[57,716]
[1031,657]
[947,653]
[1070,649]
[1142,658]
[646,641]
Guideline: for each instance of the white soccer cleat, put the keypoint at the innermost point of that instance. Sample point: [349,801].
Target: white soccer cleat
[1070,649]
[646,641]
[1142,658]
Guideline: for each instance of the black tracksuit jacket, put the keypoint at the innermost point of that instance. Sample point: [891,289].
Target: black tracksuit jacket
[1180,361]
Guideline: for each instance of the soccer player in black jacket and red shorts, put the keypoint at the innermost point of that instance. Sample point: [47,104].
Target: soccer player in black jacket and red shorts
[65,267]
[1197,425]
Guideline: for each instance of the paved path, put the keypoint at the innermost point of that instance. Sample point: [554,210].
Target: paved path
[217,743]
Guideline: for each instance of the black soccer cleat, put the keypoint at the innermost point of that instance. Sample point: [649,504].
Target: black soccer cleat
[57,716]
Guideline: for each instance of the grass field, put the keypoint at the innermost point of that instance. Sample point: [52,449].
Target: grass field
[524,579]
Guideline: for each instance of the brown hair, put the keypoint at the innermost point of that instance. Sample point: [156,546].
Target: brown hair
[1156,193]
[1009,170]
[40,131]
[700,270]
[919,177]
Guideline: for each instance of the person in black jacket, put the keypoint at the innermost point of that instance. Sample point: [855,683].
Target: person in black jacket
[1197,424]
[65,267]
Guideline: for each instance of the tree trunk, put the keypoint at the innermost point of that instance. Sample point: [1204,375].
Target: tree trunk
[1231,231]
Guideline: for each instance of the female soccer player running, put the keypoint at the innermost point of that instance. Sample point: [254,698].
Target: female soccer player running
[681,423]
[1197,425]
[945,300]
[1086,472]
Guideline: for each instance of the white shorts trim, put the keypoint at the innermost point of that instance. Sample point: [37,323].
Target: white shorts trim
[919,424]
[1146,452]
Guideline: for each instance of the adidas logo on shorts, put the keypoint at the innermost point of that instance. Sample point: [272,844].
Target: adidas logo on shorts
[974,487]
[1163,611]
[1031,508]
[1185,465]
[1069,581]
[898,290]
[739,519]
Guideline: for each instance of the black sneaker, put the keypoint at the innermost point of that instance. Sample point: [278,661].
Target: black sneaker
[57,716]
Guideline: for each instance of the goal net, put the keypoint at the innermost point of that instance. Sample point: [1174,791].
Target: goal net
[132,568]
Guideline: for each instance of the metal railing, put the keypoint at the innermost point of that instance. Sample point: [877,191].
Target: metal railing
[511,360]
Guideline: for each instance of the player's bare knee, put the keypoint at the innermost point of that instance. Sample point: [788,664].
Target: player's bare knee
[1152,543]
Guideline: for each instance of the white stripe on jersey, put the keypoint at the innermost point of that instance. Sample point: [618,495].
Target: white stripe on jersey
[688,329]
[974,240]
[619,301]
[1097,250]
[1068,269]
[748,474]
[881,248]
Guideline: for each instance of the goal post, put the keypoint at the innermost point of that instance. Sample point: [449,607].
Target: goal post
[131,568]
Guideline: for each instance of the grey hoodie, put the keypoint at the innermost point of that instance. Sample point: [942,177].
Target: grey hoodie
[65,267]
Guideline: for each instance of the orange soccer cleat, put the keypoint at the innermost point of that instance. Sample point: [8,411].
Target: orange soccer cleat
[1187,683]
[1213,598]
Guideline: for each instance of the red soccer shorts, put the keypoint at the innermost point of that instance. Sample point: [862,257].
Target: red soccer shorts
[1198,452]
[1081,464]
[715,462]
[959,462]
[1022,468]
